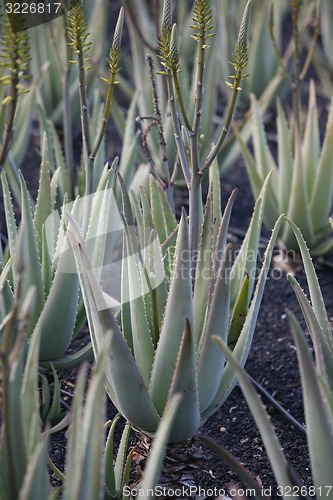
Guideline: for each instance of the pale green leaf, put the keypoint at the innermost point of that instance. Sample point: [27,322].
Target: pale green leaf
[311,141]
[319,431]
[210,361]
[185,382]
[155,459]
[179,307]
[298,209]
[244,341]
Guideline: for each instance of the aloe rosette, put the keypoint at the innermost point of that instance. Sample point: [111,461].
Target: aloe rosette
[317,389]
[302,186]
[162,343]
[39,249]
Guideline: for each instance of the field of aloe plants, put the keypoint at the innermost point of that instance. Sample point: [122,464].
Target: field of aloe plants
[166,249]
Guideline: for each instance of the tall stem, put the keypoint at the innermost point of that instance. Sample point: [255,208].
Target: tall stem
[180,101]
[67,110]
[177,131]
[297,65]
[232,104]
[88,163]
[111,84]
[68,134]
[194,202]
[199,81]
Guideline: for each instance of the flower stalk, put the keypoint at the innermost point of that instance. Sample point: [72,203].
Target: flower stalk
[113,61]
[77,40]
[168,47]
[299,71]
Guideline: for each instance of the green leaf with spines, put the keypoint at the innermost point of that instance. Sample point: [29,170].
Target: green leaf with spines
[161,439]
[146,215]
[221,239]
[10,220]
[130,142]
[6,293]
[119,466]
[124,382]
[215,189]
[265,161]
[311,140]
[46,265]
[43,205]
[210,361]
[185,382]
[36,480]
[202,282]
[110,481]
[143,348]
[319,427]
[239,314]
[316,296]
[242,347]
[163,219]
[32,266]
[322,193]
[179,307]
[299,207]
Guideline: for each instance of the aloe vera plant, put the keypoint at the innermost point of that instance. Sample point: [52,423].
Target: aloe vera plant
[303,178]
[162,345]
[42,235]
[317,386]
[90,471]
[174,298]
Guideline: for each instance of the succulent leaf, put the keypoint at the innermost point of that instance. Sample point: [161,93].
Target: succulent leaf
[244,341]
[124,382]
[319,428]
[210,362]
[179,307]
[185,382]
